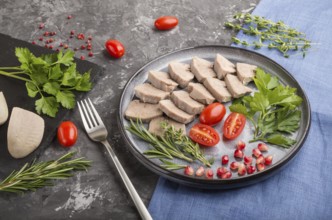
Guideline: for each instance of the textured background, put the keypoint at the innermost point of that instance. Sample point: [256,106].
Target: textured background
[99,193]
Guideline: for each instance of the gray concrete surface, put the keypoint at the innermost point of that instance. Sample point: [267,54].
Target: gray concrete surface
[99,193]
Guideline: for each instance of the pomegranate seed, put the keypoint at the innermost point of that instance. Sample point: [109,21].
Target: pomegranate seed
[189,171]
[82,47]
[221,171]
[224,159]
[72,32]
[260,159]
[53,33]
[88,42]
[71,36]
[262,147]
[51,40]
[46,33]
[242,169]
[40,39]
[61,44]
[256,152]
[80,36]
[200,171]
[41,25]
[251,169]
[90,54]
[69,17]
[240,145]
[209,174]
[238,153]
[33,42]
[82,57]
[234,165]
[65,46]
[226,175]
[46,46]
[88,47]
[247,160]
[268,160]
[89,38]
[50,47]
[260,166]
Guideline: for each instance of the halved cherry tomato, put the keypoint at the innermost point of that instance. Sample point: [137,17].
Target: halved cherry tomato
[166,22]
[115,48]
[67,134]
[234,125]
[204,135]
[212,114]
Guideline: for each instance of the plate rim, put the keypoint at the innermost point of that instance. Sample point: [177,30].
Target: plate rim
[214,183]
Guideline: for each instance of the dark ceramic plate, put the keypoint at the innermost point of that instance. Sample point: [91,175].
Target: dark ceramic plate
[281,156]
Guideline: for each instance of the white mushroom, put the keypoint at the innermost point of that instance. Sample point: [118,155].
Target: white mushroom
[25,132]
[3,109]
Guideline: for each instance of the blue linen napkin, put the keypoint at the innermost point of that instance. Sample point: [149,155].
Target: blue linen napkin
[303,190]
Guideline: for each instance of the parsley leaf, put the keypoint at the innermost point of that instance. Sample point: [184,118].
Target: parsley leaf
[273,110]
[53,77]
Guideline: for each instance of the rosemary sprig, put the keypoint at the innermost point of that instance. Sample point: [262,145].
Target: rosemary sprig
[36,175]
[278,35]
[173,144]
[171,166]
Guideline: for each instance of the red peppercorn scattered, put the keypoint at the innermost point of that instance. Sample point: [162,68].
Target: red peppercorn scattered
[61,44]
[46,33]
[50,47]
[89,38]
[80,36]
[75,49]
[72,32]
[82,58]
[65,46]
[90,54]
[41,25]
[57,50]
[69,17]
[40,39]
[89,47]
[33,42]
[46,46]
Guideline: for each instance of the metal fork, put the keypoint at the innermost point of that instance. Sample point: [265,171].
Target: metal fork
[97,131]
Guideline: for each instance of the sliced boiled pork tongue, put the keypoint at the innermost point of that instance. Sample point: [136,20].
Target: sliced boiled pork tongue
[183,101]
[223,66]
[148,93]
[180,72]
[144,111]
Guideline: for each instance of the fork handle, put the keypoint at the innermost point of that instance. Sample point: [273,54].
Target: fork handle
[144,213]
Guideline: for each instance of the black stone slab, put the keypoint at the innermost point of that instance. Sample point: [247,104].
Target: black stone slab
[16,96]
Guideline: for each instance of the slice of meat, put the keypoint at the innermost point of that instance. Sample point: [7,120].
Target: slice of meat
[162,80]
[202,69]
[169,108]
[155,126]
[223,66]
[148,93]
[198,92]
[218,89]
[180,72]
[245,72]
[144,111]
[235,86]
[184,102]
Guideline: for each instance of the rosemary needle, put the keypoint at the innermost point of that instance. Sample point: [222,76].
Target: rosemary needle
[36,175]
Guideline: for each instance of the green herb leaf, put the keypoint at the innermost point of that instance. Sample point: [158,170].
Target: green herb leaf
[51,88]
[67,58]
[69,77]
[288,121]
[84,83]
[280,140]
[32,89]
[47,105]
[55,72]
[66,98]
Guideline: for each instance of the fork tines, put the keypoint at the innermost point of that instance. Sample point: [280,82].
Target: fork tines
[89,114]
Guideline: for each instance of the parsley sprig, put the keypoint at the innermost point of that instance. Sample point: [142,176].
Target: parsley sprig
[51,77]
[270,34]
[273,110]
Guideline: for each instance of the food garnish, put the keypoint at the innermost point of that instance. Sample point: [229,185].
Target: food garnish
[115,48]
[273,110]
[273,35]
[52,77]
[164,23]
[39,174]
[67,133]
[173,144]
[234,125]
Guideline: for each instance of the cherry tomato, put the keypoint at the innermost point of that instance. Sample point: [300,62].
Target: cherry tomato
[115,48]
[166,22]
[212,114]
[204,135]
[234,125]
[67,134]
